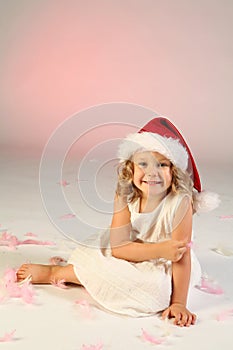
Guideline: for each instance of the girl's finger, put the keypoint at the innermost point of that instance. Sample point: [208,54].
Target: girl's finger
[184,319]
[194,318]
[166,313]
[189,320]
[182,250]
[177,319]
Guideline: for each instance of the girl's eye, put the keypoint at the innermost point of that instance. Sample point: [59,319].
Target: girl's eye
[142,164]
[163,165]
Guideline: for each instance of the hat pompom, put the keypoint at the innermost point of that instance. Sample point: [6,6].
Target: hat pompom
[205,201]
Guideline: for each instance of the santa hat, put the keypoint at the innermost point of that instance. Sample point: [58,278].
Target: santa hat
[161,136]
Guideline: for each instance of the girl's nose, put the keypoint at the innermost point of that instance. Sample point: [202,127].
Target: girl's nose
[153,170]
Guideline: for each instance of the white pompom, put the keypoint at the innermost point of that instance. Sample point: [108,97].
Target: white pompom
[205,201]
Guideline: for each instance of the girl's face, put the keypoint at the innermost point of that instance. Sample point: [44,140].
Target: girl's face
[152,173]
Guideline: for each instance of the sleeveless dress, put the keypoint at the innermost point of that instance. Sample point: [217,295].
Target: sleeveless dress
[131,288]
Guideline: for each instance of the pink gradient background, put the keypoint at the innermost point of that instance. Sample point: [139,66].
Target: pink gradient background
[175,57]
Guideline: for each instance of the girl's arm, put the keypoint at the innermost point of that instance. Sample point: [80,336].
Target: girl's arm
[181,269]
[123,248]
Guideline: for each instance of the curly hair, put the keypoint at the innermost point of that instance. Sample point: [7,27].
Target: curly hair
[181,181]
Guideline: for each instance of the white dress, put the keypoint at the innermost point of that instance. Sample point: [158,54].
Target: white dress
[129,288]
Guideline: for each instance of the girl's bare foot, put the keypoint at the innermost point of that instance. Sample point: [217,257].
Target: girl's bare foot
[45,274]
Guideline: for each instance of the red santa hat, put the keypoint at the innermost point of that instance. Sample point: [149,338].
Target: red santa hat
[165,128]
[160,135]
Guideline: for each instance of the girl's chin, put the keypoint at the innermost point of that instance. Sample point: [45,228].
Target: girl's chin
[155,192]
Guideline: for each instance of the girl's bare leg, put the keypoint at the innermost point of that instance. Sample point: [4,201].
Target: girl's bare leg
[45,274]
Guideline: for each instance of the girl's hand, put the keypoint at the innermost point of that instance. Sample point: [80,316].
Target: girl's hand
[172,250]
[182,316]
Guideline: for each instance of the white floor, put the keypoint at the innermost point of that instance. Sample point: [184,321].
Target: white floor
[55,321]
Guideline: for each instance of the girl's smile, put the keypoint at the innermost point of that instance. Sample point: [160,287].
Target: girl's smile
[152,183]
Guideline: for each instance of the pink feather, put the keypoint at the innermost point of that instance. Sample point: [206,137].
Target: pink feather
[2,299]
[27,293]
[6,235]
[15,290]
[98,346]
[57,260]
[59,284]
[209,286]
[36,242]
[82,303]
[8,337]
[9,240]
[30,234]
[68,216]
[190,244]
[224,315]
[85,306]
[3,295]
[63,183]
[9,276]
[12,241]
[224,217]
[150,338]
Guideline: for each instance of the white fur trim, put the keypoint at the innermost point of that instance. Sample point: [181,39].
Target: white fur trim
[148,141]
[205,201]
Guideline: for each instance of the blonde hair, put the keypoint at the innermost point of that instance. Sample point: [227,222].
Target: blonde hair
[181,182]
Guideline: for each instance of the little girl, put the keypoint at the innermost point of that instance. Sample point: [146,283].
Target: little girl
[143,264]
